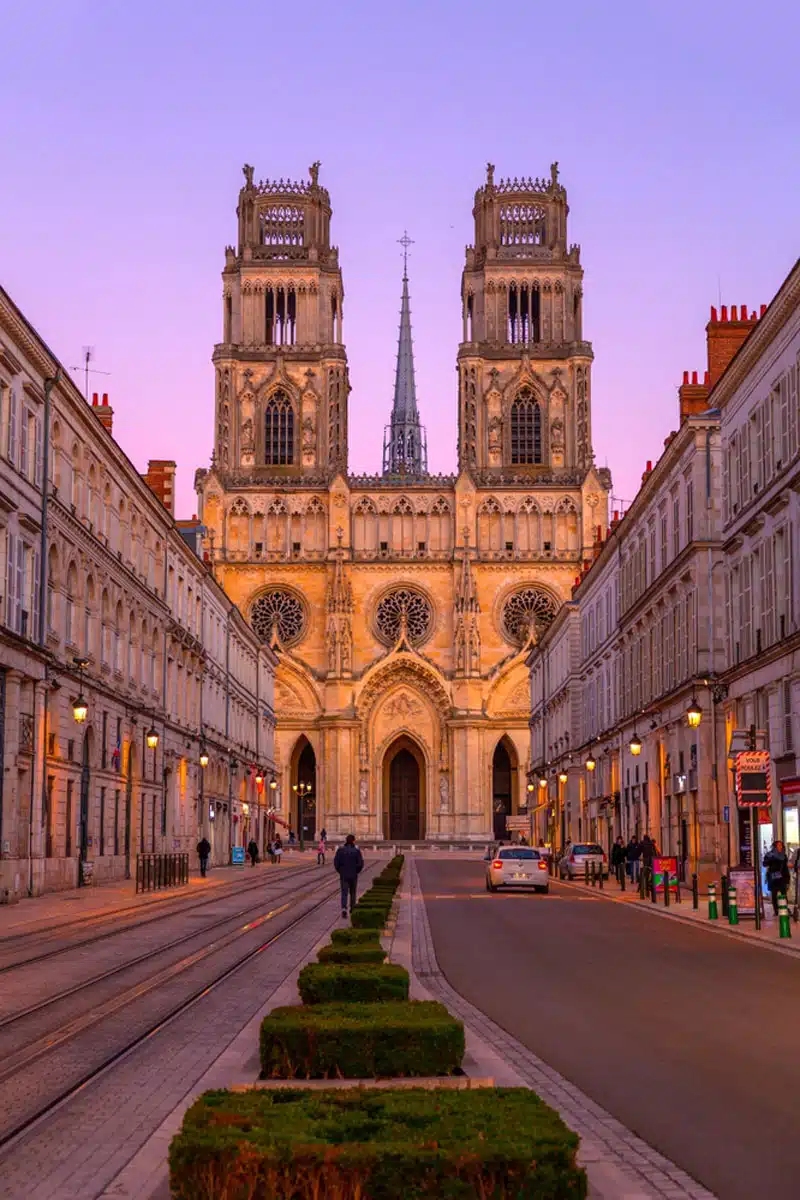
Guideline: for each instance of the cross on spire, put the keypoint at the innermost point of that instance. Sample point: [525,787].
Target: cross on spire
[405,241]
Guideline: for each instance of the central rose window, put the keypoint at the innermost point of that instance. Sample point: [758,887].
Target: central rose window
[404,606]
[278,611]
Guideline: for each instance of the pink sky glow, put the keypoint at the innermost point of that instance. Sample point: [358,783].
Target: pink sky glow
[125,128]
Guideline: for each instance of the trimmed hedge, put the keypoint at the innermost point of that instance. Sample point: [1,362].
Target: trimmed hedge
[355,937]
[361,1041]
[330,983]
[281,1144]
[356,953]
[369,917]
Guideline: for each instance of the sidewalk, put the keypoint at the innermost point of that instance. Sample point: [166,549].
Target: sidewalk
[39,914]
[767,937]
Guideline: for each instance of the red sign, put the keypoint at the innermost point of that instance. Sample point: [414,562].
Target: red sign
[790,787]
[753,782]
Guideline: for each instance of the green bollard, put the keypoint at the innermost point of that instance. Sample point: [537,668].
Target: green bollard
[713,913]
[695,893]
[784,924]
[733,909]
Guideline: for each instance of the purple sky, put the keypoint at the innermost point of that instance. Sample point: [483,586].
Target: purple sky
[125,127]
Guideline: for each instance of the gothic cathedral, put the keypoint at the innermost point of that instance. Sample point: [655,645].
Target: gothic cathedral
[402,604]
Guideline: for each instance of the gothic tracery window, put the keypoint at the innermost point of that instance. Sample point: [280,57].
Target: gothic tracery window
[279,431]
[404,606]
[526,428]
[529,609]
[278,610]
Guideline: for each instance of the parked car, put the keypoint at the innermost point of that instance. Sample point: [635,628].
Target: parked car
[572,863]
[516,867]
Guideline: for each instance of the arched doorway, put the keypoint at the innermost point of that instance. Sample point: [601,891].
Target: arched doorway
[502,790]
[404,769]
[303,816]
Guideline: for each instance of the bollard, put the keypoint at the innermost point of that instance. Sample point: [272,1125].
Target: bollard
[600,874]
[651,875]
[724,895]
[641,884]
[695,893]
[622,873]
[733,910]
[713,914]
[586,872]
[593,873]
[784,924]
[666,889]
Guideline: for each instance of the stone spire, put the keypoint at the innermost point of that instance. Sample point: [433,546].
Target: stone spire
[467,636]
[405,450]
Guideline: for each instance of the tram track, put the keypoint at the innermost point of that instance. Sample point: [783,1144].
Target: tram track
[32,1068]
[140,918]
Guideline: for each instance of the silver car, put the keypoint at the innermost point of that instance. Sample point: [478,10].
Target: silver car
[576,856]
[516,867]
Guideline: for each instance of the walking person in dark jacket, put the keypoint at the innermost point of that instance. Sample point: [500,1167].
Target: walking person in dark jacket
[349,863]
[252,850]
[633,853]
[776,864]
[648,851]
[618,859]
[203,851]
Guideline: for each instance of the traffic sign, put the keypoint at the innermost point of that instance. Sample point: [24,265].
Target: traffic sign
[753,783]
[726,813]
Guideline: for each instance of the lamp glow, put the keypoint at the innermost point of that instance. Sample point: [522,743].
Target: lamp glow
[694,714]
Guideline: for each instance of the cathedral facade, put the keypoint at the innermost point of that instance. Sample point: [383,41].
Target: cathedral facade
[402,605]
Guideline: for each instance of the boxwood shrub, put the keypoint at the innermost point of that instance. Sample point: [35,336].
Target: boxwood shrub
[369,917]
[361,1041]
[355,953]
[355,937]
[503,1143]
[329,983]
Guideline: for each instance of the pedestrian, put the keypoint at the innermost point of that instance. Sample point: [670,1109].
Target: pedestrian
[321,848]
[292,838]
[523,841]
[633,852]
[277,848]
[648,852]
[271,850]
[776,864]
[349,863]
[618,858]
[252,850]
[203,851]
[324,835]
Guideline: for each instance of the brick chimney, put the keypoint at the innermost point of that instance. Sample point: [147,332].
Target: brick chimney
[104,412]
[160,478]
[725,335]
[693,395]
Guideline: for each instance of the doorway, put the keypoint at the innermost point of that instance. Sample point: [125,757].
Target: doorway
[501,791]
[404,797]
[304,792]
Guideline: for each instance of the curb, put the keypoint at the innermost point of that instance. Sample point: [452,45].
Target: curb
[658,910]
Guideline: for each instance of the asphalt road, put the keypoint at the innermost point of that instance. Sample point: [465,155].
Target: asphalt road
[689,1038]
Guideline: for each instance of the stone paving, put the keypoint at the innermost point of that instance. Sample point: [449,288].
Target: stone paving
[82,1146]
[621,1166]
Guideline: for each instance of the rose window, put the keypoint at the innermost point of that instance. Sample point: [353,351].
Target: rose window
[404,607]
[527,611]
[278,610]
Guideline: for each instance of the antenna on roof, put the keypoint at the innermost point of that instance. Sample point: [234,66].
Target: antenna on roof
[88,356]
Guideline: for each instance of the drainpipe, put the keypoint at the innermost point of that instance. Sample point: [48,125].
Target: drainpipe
[711,567]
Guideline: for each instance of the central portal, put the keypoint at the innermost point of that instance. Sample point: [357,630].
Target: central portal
[404,786]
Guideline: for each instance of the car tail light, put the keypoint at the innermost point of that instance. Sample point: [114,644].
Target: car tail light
[498,862]
[542,865]
[604,857]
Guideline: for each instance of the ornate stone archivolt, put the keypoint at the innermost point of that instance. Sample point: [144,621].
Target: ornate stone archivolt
[409,671]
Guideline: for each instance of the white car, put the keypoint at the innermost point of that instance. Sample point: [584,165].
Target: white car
[576,857]
[516,867]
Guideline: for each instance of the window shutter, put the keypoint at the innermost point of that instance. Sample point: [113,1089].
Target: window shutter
[793,404]
[11,581]
[746,611]
[729,630]
[13,417]
[768,595]
[23,441]
[787,589]
[38,452]
[769,457]
[36,596]
[19,586]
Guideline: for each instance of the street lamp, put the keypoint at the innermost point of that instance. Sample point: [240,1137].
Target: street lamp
[562,776]
[80,708]
[303,791]
[694,714]
[259,776]
[203,755]
[590,763]
[543,782]
[152,738]
[635,745]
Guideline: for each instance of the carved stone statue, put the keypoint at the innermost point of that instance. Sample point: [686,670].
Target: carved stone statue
[314,173]
[444,793]
[247,171]
[490,175]
[309,435]
[363,794]
[557,434]
[248,441]
[495,435]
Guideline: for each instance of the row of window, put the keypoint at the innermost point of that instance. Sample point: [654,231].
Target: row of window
[22,429]
[759,596]
[764,444]
[668,532]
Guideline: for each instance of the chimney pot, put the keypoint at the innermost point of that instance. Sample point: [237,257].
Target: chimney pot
[649,464]
[105,399]
[705,378]
[94,399]
[733,313]
[724,313]
[713,313]
[694,377]
[685,377]
[763,309]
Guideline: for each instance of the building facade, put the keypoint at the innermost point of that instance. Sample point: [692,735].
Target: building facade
[759,400]
[401,605]
[105,601]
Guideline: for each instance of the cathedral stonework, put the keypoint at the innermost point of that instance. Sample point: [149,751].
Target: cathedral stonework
[402,605]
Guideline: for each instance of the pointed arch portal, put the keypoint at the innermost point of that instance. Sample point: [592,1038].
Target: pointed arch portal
[503,779]
[404,792]
[304,775]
